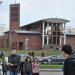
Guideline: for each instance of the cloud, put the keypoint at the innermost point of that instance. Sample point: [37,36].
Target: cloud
[33,10]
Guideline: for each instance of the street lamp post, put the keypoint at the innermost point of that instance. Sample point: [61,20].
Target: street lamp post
[26,44]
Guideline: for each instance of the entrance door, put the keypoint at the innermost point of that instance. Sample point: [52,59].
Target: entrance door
[20,45]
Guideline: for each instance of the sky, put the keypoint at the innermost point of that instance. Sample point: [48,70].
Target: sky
[34,10]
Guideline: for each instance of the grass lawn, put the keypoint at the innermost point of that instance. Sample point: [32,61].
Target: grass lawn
[37,52]
[45,66]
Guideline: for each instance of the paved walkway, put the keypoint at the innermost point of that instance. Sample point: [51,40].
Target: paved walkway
[52,70]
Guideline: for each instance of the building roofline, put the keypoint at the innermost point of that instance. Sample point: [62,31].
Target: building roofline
[31,23]
[51,20]
[26,32]
[56,20]
[6,32]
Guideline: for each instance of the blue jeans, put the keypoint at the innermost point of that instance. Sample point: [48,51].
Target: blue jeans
[13,72]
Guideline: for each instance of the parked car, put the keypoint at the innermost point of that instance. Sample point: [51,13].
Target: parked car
[46,60]
[39,59]
[58,60]
[23,56]
[53,60]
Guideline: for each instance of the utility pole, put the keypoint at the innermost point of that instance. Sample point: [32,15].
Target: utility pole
[26,44]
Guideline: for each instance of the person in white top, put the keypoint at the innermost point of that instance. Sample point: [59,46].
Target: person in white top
[0,67]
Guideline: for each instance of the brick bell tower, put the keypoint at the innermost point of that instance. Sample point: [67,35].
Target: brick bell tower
[14,17]
[14,22]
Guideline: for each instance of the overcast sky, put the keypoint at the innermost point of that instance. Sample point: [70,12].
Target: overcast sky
[33,10]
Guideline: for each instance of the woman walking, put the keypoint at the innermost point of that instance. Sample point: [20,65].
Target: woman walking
[27,67]
[35,66]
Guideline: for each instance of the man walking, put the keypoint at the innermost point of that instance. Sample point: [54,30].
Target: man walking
[69,63]
[14,61]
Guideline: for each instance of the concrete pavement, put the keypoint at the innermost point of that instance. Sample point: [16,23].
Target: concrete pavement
[52,70]
[51,73]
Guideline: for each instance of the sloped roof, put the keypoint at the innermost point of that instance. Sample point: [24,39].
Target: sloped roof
[56,20]
[26,32]
[52,20]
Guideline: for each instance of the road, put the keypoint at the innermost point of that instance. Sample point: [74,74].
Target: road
[51,73]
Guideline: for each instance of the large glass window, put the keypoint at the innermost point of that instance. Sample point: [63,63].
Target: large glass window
[50,39]
[54,39]
[58,40]
[45,32]
[58,26]
[54,33]
[45,39]
[45,25]
[58,33]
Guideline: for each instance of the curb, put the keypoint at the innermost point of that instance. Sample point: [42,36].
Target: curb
[52,70]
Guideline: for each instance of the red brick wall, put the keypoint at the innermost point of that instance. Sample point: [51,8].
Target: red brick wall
[14,26]
[71,40]
[3,41]
[14,17]
[34,41]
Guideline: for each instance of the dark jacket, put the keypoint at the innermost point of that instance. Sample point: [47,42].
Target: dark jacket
[15,60]
[69,65]
[21,68]
[27,68]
